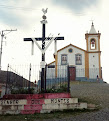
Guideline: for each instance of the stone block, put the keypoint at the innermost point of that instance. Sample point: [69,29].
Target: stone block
[91,106]
[11,107]
[64,106]
[13,102]
[0,107]
[61,100]
[35,101]
[33,107]
[10,112]
[45,111]
[29,111]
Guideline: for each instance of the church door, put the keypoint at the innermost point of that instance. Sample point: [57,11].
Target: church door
[72,73]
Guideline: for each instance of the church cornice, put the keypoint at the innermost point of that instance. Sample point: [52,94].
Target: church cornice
[93,51]
[70,45]
[92,34]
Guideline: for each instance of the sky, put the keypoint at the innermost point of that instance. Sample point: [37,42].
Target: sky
[71,18]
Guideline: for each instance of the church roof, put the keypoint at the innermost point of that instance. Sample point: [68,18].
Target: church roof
[92,30]
[71,45]
[66,47]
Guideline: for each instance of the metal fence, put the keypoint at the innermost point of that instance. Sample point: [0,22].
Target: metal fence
[56,80]
[93,72]
[28,76]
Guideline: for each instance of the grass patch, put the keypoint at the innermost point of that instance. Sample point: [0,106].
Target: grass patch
[35,117]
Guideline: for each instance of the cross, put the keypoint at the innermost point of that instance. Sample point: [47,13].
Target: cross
[92,21]
[43,39]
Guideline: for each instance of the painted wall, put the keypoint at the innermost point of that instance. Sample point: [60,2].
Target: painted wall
[93,65]
[72,61]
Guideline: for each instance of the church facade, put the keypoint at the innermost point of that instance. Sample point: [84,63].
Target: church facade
[83,64]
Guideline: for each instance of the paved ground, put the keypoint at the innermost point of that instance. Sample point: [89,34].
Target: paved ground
[91,92]
[102,115]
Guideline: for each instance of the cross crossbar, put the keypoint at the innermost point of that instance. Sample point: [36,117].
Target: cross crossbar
[46,38]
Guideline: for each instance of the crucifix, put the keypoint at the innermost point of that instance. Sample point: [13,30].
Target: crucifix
[43,48]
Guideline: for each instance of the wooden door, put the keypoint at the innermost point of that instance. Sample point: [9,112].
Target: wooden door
[72,73]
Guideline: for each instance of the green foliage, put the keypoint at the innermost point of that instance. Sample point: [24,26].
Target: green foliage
[22,91]
[62,88]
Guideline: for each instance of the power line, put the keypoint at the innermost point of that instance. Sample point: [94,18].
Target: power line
[34,9]
[18,8]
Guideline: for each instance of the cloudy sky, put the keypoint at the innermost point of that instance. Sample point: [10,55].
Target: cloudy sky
[71,18]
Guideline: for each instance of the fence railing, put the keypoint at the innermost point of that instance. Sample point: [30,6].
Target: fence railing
[28,76]
[56,80]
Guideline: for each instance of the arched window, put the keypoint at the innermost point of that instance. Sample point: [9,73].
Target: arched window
[93,44]
[78,59]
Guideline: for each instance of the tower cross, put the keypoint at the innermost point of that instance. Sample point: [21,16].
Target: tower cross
[43,39]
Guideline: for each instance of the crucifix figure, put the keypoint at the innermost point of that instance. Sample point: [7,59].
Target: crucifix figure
[43,48]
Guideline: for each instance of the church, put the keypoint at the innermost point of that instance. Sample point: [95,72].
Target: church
[84,65]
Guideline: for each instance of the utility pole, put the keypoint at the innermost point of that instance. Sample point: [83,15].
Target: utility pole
[2,36]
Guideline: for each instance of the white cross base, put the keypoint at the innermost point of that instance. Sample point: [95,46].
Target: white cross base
[42,64]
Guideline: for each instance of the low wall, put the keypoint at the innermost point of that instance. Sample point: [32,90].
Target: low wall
[39,103]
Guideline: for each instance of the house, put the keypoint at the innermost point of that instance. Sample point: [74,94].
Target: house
[84,65]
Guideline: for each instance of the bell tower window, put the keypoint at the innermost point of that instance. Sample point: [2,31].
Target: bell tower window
[92,44]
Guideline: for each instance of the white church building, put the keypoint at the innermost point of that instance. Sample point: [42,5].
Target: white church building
[84,65]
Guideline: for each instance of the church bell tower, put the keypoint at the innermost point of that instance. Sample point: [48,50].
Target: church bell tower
[93,53]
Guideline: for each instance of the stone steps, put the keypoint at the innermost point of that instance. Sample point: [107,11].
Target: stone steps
[36,104]
[40,105]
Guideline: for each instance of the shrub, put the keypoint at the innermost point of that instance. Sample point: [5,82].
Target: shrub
[22,91]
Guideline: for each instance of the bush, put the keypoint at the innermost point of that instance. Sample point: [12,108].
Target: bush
[62,88]
[22,91]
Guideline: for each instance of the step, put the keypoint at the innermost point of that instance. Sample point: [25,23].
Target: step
[37,96]
[64,106]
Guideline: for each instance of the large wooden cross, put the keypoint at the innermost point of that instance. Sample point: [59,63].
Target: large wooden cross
[43,39]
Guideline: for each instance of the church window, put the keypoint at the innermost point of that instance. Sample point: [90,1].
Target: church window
[93,44]
[78,59]
[64,59]
[70,50]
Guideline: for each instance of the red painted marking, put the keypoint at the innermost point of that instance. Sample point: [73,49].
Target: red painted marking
[32,107]
[15,96]
[57,95]
[35,101]
[37,96]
